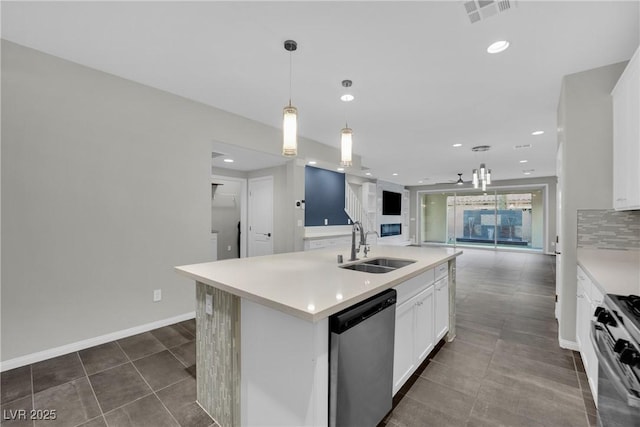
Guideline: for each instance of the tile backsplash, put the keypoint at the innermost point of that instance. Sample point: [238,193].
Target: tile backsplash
[609,229]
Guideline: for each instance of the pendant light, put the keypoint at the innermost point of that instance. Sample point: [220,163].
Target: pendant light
[481,177]
[346,136]
[290,114]
[346,146]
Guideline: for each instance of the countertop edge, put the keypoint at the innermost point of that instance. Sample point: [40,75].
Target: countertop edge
[320,315]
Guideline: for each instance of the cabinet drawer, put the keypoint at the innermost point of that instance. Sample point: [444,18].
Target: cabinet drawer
[442,270]
[442,282]
[414,285]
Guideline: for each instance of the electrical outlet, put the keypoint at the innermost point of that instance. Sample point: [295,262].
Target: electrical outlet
[326,221]
[208,304]
[157,295]
[228,248]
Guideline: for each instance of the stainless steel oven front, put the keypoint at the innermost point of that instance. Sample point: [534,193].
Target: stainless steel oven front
[618,354]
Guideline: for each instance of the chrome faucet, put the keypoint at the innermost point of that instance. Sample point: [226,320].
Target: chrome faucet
[357,226]
[366,245]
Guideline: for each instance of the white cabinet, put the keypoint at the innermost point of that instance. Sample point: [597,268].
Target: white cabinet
[588,298]
[405,214]
[414,335]
[626,137]
[441,307]
[424,330]
[369,200]
[404,360]
[415,329]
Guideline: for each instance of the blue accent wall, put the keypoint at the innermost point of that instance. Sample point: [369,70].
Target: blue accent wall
[323,197]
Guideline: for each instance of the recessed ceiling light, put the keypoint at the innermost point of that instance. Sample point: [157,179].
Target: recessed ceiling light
[524,161]
[228,160]
[498,46]
[537,132]
[347,97]
[457,145]
[368,173]
[394,174]
[312,162]
[340,169]
[420,182]
[527,173]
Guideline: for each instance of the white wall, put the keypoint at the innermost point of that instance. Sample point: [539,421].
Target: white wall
[105,188]
[585,128]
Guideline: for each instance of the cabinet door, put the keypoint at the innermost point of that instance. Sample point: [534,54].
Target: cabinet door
[580,316]
[626,137]
[403,353]
[424,324]
[442,308]
[591,367]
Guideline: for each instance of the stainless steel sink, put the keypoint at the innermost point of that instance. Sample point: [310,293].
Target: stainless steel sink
[378,265]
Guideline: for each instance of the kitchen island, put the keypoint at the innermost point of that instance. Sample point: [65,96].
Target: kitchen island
[262,327]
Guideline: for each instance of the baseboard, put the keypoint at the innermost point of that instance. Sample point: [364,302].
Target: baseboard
[569,345]
[91,342]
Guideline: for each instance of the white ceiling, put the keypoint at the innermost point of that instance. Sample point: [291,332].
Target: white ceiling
[421,75]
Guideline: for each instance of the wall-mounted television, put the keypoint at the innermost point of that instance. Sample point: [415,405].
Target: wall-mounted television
[391,203]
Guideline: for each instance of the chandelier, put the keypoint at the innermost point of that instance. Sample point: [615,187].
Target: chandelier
[481,176]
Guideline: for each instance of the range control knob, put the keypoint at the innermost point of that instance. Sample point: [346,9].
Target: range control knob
[621,345]
[630,357]
[605,317]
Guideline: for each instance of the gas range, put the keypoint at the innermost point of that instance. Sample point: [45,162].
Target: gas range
[627,310]
[616,338]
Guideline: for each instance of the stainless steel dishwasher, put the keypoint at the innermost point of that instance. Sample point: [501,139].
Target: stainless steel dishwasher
[361,362]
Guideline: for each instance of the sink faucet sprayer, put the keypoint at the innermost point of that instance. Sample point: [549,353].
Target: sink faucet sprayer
[357,226]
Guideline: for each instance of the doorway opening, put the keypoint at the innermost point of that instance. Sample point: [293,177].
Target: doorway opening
[228,217]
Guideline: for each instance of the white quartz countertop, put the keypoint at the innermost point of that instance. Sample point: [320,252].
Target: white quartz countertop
[614,272]
[310,285]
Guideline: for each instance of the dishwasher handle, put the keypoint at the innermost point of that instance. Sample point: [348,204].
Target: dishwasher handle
[350,317]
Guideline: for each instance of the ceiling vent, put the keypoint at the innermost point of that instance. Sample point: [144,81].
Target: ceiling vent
[521,147]
[478,10]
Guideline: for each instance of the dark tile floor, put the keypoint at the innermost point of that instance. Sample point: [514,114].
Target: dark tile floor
[144,380]
[505,367]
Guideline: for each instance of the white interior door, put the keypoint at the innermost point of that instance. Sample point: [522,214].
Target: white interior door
[261,216]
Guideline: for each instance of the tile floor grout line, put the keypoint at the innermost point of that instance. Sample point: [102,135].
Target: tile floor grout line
[95,396]
[178,358]
[575,365]
[128,403]
[154,393]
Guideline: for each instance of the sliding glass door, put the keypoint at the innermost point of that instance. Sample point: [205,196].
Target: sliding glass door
[507,219]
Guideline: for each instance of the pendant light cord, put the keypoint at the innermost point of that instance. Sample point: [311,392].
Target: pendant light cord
[290,76]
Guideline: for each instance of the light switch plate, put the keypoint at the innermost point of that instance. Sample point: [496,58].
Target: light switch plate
[157,295]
